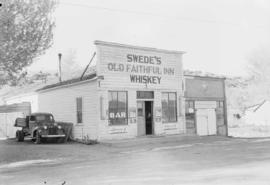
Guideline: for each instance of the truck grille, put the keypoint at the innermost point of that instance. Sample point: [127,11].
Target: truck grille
[52,130]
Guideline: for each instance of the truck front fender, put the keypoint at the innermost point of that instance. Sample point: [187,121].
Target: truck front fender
[34,131]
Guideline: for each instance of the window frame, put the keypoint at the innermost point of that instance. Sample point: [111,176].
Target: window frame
[220,104]
[189,104]
[139,93]
[126,118]
[77,118]
[176,110]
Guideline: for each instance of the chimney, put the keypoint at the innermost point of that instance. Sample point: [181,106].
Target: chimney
[60,71]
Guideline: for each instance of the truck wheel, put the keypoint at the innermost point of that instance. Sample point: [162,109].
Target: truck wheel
[20,136]
[38,138]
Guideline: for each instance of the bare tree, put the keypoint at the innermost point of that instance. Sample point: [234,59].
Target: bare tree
[259,65]
[26,32]
[259,71]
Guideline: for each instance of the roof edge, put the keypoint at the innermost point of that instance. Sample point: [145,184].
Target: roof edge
[66,85]
[105,43]
[210,77]
[34,92]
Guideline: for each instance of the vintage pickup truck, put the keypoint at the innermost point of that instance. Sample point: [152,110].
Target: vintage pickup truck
[39,126]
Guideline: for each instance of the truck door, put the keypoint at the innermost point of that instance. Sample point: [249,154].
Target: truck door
[32,123]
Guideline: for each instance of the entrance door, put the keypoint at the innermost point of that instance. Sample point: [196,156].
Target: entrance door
[212,123]
[140,118]
[148,117]
[206,122]
[144,118]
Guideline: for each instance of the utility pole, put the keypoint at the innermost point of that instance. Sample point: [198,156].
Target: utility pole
[60,71]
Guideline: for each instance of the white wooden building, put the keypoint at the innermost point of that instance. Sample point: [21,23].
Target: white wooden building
[135,91]
[23,93]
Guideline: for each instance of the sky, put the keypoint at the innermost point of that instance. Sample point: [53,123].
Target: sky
[218,36]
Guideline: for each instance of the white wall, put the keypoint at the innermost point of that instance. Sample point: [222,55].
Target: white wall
[61,102]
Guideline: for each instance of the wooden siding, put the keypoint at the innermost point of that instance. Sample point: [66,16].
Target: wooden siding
[107,131]
[61,102]
[31,98]
[204,88]
[118,55]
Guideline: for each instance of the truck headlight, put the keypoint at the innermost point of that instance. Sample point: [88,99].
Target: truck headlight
[59,127]
[45,127]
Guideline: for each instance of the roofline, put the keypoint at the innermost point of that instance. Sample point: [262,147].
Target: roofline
[20,95]
[99,42]
[67,85]
[37,113]
[210,77]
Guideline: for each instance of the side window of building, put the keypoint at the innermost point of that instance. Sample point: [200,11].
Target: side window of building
[118,107]
[79,109]
[190,112]
[220,113]
[169,112]
[220,104]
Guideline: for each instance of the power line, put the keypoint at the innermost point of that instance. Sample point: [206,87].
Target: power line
[149,14]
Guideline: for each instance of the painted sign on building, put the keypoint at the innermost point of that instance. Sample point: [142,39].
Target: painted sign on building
[142,69]
[123,66]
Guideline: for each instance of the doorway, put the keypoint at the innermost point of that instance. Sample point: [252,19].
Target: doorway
[148,118]
[145,117]
[206,122]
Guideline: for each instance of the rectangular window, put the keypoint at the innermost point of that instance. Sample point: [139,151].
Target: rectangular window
[220,104]
[189,107]
[145,95]
[140,109]
[118,107]
[190,112]
[79,109]
[169,112]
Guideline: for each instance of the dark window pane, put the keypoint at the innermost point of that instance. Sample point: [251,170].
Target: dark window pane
[169,111]
[221,104]
[79,109]
[186,106]
[117,107]
[172,106]
[191,104]
[140,108]
[145,94]
[32,118]
[164,104]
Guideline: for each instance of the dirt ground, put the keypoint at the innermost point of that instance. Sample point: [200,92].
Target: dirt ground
[249,131]
[149,160]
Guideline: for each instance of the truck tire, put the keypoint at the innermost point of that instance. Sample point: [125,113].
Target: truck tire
[19,136]
[38,138]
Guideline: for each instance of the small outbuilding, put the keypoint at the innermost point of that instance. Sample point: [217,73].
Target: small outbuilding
[8,115]
[205,105]
[135,91]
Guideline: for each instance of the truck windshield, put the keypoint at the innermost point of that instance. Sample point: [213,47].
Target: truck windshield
[48,118]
